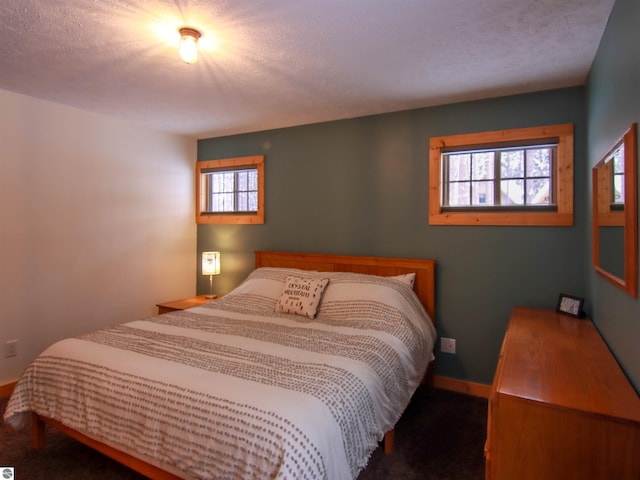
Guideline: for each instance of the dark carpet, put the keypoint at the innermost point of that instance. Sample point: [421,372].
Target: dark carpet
[440,437]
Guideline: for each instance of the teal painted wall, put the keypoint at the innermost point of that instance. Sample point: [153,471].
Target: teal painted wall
[360,187]
[613,104]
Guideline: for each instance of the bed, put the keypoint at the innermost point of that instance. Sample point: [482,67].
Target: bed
[297,373]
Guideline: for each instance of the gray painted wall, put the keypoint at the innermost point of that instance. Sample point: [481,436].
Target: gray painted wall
[360,187]
[613,103]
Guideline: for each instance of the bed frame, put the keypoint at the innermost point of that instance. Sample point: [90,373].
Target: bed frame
[424,287]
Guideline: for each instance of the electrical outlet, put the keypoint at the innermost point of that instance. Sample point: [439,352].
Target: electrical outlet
[11,348]
[448,345]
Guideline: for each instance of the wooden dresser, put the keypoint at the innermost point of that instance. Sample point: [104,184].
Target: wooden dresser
[560,406]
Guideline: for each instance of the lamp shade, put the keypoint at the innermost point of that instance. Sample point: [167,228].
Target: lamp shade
[210,263]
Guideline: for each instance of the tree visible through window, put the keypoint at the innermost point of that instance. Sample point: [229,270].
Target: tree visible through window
[232,191]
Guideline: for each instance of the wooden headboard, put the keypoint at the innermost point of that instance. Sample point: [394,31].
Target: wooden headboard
[424,269]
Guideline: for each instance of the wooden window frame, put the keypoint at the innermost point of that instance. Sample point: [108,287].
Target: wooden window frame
[563,216]
[234,218]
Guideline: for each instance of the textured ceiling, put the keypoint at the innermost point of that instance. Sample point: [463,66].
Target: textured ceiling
[267,64]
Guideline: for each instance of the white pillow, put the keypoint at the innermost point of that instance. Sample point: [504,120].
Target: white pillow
[301,295]
[408,278]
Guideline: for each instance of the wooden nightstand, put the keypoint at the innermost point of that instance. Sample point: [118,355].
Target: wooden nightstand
[182,304]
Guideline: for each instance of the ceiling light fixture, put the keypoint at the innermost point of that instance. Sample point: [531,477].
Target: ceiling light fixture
[189,44]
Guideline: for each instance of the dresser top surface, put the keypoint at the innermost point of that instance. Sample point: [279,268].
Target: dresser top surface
[560,360]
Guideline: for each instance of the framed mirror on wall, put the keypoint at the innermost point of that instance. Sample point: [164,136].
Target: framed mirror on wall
[615,214]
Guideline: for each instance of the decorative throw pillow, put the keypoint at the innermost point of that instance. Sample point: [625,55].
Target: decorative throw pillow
[301,295]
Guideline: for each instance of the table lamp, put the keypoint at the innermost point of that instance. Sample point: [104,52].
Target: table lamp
[211,267]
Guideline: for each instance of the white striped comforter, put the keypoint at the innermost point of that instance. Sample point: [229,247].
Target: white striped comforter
[235,390]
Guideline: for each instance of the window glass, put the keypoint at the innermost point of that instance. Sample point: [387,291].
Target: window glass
[473,180]
[618,176]
[230,191]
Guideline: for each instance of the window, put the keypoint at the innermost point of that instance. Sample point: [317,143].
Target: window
[508,177]
[230,190]
[498,177]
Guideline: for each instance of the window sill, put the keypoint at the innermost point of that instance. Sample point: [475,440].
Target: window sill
[533,219]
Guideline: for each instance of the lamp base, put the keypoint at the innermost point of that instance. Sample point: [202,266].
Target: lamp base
[211,296]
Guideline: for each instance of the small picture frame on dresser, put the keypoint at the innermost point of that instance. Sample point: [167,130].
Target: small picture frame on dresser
[570,305]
